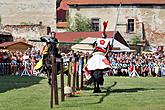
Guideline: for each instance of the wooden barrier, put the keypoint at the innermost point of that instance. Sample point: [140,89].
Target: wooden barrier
[62,81]
[77,73]
[82,75]
[69,72]
[74,74]
[54,86]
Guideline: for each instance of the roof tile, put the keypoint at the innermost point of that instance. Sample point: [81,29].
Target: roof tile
[86,2]
[73,36]
[6,44]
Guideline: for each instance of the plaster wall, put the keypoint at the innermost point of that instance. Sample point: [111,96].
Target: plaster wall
[152,16]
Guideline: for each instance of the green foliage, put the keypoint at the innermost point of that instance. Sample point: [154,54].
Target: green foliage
[70,25]
[135,40]
[79,24]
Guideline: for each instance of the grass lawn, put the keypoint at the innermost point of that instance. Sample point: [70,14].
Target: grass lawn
[118,93]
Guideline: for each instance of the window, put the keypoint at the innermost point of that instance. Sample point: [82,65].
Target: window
[95,24]
[131,26]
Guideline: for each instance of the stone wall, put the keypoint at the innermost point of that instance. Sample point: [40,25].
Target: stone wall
[152,16]
[25,32]
[16,12]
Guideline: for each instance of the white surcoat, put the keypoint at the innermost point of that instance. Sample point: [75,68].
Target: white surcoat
[102,43]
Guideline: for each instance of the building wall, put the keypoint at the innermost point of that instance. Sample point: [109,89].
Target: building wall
[26,32]
[152,16]
[16,12]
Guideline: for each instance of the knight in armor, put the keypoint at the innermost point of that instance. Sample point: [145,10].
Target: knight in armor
[55,48]
[50,47]
[45,51]
[99,60]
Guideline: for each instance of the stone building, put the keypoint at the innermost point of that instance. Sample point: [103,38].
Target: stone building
[27,19]
[142,18]
[16,12]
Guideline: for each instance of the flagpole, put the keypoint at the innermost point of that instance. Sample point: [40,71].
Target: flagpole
[116,25]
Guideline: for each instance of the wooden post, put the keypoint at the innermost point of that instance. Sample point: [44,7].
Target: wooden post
[54,69]
[74,74]
[62,81]
[54,87]
[52,82]
[5,68]
[69,72]
[77,72]
[82,77]
[51,96]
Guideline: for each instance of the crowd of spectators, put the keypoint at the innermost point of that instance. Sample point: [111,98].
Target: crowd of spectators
[123,64]
[126,64]
[13,61]
[145,64]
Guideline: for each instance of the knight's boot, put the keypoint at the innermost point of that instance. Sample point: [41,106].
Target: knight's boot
[102,81]
[97,90]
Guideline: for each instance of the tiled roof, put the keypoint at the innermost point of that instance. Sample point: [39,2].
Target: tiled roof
[6,44]
[73,36]
[86,2]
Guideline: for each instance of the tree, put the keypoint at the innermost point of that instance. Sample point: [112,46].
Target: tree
[135,39]
[80,24]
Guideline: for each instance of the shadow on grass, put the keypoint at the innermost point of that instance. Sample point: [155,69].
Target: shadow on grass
[108,90]
[130,90]
[96,94]
[15,82]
